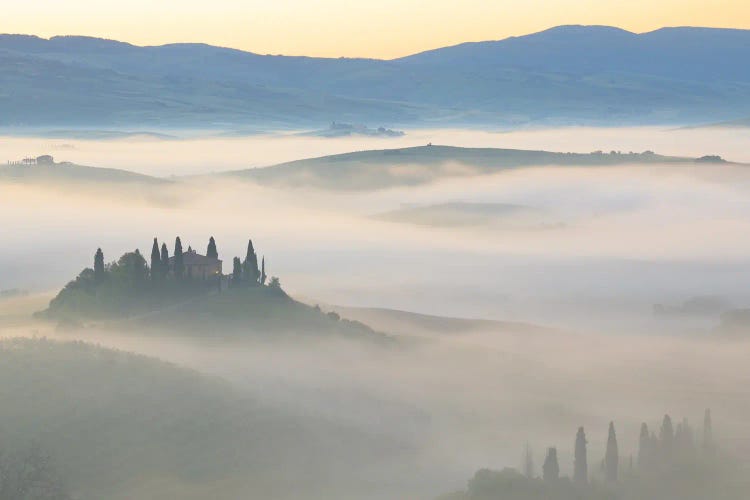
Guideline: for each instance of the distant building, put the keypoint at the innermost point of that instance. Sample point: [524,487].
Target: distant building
[197,265]
[39,160]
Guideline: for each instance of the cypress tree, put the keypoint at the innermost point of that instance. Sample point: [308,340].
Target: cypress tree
[250,271]
[99,266]
[211,250]
[551,469]
[237,272]
[138,269]
[666,437]
[581,470]
[179,266]
[164,261]
[612,456]
[263,272]
[708,432]
[155,261]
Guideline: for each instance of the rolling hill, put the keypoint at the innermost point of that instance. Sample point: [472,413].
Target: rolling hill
[741,123]
[194,308]
[123,426]
[62,173]
[256,312]
[568,74]
[409,323]
[379,169]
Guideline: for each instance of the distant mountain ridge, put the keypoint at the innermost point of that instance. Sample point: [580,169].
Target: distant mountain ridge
[567,75]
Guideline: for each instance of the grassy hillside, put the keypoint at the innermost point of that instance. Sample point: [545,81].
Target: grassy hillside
[250,311]
[121,426]
[70,172]
[378,169]
[409,323]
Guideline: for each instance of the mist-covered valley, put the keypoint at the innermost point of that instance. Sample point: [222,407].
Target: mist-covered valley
[502,303]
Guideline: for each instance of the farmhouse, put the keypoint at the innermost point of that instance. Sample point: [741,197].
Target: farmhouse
[197,265]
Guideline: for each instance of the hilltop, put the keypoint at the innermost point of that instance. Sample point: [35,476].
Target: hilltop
[594,75]
[378,169]
[188,294]
[66,172]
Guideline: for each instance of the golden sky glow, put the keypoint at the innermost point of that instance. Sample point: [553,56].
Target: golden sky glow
[372,28]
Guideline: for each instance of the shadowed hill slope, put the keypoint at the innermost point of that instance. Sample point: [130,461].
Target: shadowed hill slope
[122,426]
[125,300]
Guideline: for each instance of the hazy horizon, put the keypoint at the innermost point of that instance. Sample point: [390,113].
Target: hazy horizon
[352,30]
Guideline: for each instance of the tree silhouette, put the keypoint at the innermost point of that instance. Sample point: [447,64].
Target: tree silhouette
[179,265]
[130,270]
[612,455]
[237,271]
[99,266]
[155,261]
[551,468]
[666,437]
[140,268]
[708,432]
[251,273]
[581,471]
[263,276]
[164,261]
[211,250]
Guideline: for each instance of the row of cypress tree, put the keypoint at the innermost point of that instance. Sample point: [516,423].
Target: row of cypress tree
[246,272]
[653,451]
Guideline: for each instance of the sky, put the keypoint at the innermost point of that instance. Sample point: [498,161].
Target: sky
[350,28]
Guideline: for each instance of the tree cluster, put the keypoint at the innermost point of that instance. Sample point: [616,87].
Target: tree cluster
[133,282]
[654,452]
[672,464]
[247,272]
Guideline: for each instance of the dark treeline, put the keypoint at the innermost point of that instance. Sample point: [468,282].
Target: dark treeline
[673,463]
[655,453]
[131,282]
[182,266]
